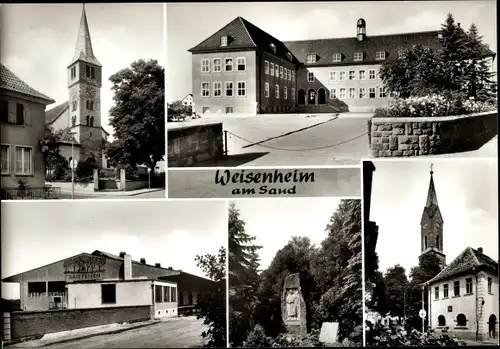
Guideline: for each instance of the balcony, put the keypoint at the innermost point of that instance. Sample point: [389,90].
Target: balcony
[31,193]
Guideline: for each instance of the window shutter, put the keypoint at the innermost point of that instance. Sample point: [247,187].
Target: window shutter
[27,117]
[20,114]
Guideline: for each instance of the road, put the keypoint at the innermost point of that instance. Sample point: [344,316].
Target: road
[183,332]
[160,194]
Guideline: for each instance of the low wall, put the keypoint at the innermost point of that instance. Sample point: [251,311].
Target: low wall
[188,145]
[391,137]
[134,185]
[36,323]
[79,186]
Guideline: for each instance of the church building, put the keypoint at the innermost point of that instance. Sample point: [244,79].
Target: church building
[80,116]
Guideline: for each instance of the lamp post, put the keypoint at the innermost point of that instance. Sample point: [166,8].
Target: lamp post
[72,165]
[423,307]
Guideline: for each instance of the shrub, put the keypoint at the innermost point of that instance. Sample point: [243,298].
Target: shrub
[298,340]
[86,168]
[257,338]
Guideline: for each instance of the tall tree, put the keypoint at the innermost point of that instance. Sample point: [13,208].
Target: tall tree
[396,282]
[212,304]
[138,115]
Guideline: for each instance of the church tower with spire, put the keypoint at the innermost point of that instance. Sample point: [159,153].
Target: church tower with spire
[431,226]
[84,85]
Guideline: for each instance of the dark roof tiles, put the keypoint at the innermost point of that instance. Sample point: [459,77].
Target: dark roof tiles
[52,114]
[11,82]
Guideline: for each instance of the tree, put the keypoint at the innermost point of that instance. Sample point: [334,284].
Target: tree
[49,146]
[177,108]
[395,282]
[212,304]
[138,115]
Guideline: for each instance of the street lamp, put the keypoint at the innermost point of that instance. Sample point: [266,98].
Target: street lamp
[72,165]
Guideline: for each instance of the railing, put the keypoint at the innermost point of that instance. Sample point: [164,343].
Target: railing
[31,193]
[57,305]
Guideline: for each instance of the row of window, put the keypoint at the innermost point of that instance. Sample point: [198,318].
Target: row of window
[278,71]
[241,89]
[19,116]
[461,320]
[217,64]
[23,159]
[89,121]
[347,75]
[89,72]
[50,287]
[350,93]
[356,56]
[88,104]
[456,288]
[164,294]
[277,91]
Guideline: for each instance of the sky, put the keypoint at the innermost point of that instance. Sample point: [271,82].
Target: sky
[190,24]
[38,42]
[168,232]
[275,222]
[467,194]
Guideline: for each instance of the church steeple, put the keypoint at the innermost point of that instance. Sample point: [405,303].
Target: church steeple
[431,194]
[83,48]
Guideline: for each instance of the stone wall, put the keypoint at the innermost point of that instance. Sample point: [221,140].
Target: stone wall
[26,324]
[189,145]
[392,137]
[87,187]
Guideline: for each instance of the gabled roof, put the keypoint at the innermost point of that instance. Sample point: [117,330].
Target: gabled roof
[11,82]
[83,48]
[52,114]
[243,35]
[468,259]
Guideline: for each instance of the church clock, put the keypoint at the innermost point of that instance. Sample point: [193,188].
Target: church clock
[90,92]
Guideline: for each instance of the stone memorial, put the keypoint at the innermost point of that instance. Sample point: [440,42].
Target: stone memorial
[329,331]
[293,306]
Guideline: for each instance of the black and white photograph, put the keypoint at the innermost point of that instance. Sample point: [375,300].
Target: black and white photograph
[128,274]
[295,277]
[329,83]
[431,252]
[82,101]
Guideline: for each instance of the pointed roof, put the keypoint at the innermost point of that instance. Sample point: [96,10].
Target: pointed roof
[83,48]
[465,262]
[11,82]
[431,205]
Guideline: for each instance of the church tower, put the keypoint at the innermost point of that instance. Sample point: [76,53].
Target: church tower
[84,84]
[431,226]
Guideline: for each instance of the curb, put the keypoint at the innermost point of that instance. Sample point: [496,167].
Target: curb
[111,193]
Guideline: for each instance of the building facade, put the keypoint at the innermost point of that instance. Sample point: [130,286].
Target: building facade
[80,116]
[243,70]
[22,111]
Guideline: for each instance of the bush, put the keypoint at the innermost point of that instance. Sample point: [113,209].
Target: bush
[257,338]
[86,168]
[298,340]
[433,105]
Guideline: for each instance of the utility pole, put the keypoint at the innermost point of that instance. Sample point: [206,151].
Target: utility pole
[72,166]
[423,307]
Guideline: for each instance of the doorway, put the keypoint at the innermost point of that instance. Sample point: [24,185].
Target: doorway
[302,97]
[311,97]
[321,96]
[492,324]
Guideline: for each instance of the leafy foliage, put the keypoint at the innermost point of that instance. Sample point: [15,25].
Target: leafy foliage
[212,304]
[49,146]
[177,108]
[138,116]
[257,338]
[395,282]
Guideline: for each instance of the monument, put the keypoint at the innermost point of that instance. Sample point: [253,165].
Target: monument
[293,306]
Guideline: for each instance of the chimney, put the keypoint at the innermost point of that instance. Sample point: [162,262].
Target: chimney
[143,260]
[122,254]
[127,267]
[158,265]
[480,249]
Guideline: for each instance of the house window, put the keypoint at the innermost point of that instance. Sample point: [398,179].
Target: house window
[108,294]
[277,92]
[445,291]
[266,67]
[362,92]
[352,92]
[380,55]
[293,93]
[342,93]
[468,286]
[173,294]
[228,64]
[310,76]
[293,75]
[289,75]
[352,75]
[276,71]
[223,41]
[285,74]
[23,160]
[217,85]
[20,114]
[266,90]
[229,110]
[205,89]
[158,294]
[490,280]
[333,93]
[337,57]
[241,63]
[242,89]
[311,58]
[371,92]
[37,287]
[461,320]
[285,92]
[342,76]
[456,288]
[90,72]
[4,110]
[73,73]
[73,105]
[5,153]
[229,89]
[73,120]
[205,65]
[166,294]
[436,292]
[362,75]
[333,76]
[371,74]
[382,94]
[272,69]
[217,65]
[358,56]
[441,320]
[401,53]
[281,72]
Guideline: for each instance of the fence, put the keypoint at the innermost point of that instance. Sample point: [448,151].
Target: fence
[30,193]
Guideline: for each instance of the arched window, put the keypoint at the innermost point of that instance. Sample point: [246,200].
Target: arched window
[437,242]
[88,120]
[73,121]
[461,320]
[441,320]
[425,242]
[91,121]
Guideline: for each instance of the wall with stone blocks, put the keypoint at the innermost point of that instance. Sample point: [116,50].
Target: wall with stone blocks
[36,323]
[188,145]
[393,137]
